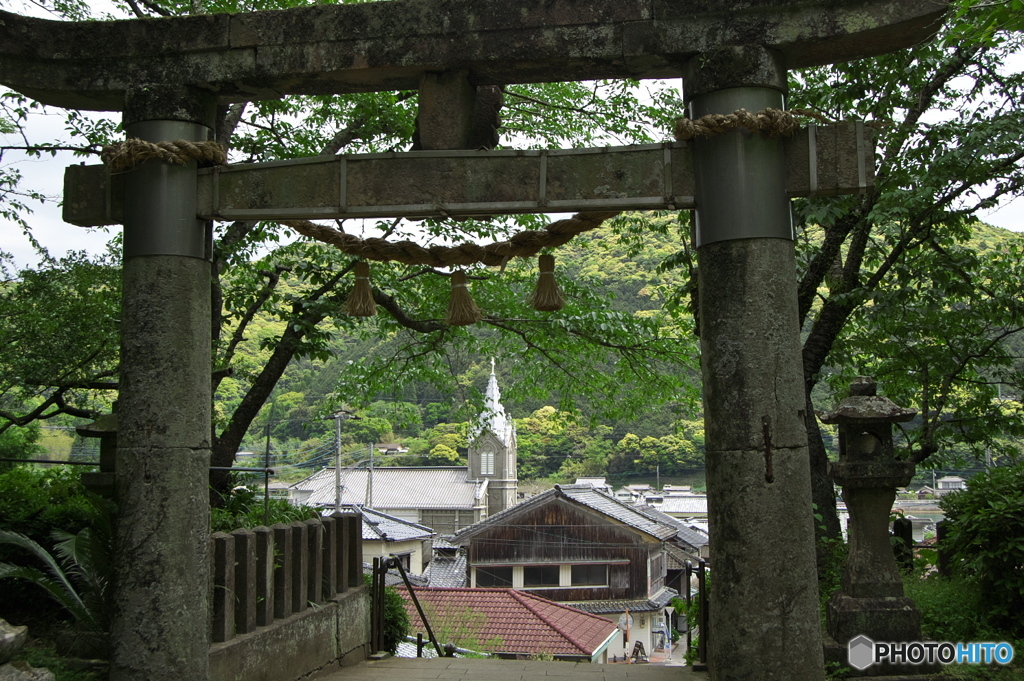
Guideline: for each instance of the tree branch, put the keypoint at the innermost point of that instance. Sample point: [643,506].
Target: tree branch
[403,318]
[273,277]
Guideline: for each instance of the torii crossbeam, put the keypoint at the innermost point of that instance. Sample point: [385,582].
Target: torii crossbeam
[167,75]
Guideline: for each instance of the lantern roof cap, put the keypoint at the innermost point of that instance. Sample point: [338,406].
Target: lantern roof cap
[865,406]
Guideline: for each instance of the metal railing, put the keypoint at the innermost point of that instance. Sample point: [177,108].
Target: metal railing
[701,600]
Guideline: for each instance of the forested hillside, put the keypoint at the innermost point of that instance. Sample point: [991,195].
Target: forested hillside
[637,276]
[580,439]
[638,268]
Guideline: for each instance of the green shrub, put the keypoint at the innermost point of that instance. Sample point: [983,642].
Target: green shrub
[986,542]
[35,502]
[396,619]
[77,576]
[245,508]
[950,608]
[19,443]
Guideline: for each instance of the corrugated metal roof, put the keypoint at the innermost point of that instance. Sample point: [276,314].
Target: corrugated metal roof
[509,621]
[585,495]
[442,487]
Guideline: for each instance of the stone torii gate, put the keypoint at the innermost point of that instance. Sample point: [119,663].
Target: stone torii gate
[168,75]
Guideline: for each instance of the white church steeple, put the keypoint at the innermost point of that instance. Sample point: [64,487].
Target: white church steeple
[494,417]
[492,449]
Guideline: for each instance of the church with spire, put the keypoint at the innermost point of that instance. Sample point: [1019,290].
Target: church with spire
[443,498]
[493,450]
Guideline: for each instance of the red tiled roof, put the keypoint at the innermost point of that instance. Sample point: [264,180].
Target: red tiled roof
[507,621]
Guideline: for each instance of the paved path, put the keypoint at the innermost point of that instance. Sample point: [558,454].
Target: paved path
[460,669]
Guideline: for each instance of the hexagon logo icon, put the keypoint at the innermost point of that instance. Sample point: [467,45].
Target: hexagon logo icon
[860,652]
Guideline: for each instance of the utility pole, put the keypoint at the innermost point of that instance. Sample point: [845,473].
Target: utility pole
[337,465]
[369,486]
[339,416]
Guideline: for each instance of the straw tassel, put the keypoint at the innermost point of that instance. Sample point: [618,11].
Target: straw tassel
[547,297]
[360,301]
[462,310]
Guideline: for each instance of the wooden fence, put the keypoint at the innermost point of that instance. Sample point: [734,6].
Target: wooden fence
[271,573]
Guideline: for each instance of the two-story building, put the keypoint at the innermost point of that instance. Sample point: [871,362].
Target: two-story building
[576,545]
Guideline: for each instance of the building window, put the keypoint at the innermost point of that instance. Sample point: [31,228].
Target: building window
[539,576]
[486,462]
[494,576]
[589,575]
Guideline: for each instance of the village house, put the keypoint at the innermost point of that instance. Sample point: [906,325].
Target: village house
[949,483]
[580,547]
[385,535]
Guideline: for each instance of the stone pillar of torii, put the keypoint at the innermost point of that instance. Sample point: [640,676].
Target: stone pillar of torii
[168,75]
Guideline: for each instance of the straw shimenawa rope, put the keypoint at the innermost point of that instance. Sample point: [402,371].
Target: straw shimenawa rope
[771,122]
[524,244]
[462,309]
[132,152]
[360,302]
[547,297]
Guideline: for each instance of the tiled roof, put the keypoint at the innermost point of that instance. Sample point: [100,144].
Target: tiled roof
[447,571]
[652,604]
[442,487]
[509,621]
[443,542]
[685,505]
[584,495]
[684,532]
[379,526]
[677,557]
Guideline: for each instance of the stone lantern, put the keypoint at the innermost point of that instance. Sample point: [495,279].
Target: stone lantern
[104,428]
[871,601]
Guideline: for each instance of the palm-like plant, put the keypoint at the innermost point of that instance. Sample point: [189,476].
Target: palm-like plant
[78,578]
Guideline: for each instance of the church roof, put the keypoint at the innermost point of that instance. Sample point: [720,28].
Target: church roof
[441,487]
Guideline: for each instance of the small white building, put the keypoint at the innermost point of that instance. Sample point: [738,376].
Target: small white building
[949,483]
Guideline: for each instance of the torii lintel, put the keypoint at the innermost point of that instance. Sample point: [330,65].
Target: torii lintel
[390,45]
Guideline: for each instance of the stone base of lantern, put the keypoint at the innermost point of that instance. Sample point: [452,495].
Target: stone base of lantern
[893,619]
